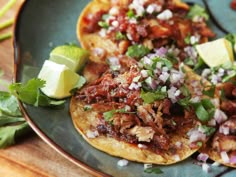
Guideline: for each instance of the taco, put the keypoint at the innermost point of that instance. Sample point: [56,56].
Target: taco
[141,111]
[108,28]
[222,147]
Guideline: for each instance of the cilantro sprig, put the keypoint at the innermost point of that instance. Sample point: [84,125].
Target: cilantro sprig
[197,11]
[30,93]
[12,123]
[137,51]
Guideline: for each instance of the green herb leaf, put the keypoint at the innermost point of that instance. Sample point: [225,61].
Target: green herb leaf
[207,130]
[30,93]
[231,38]
[120,36]
[150,97]
[207,104]
[197,11]
[103,24]
[200,63]
[9,133]
[209,91]
[9,104]
[6,120]
[202,113]
[189,62]
[187,39]
[130,14]
[137,51]
[154,170]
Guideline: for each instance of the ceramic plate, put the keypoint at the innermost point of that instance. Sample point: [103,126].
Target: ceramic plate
[44,24]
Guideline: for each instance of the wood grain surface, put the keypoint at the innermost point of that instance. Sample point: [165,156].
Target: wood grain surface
[30,157]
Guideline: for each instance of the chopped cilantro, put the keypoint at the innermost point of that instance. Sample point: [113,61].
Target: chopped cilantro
[130,14]
[200,63]
[209,91]
[204,110]
[154,170]
[150,97]
[231,38]
[197,11]
[87,107]
[103,24]
[120,36]
[207,130]
[187,39]
[189,61]
[109,114]
[137,51]
[199,144]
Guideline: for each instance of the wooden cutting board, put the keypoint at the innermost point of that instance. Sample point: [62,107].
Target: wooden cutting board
[30,157]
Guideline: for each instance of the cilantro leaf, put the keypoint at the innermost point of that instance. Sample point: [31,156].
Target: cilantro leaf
[209,91]
[9,133]
[30,93]
[150,97]
[103,24]
[231,38]
[207,130]
[9,104]
[197,11]
[154,170]
[120,36]
[137,51]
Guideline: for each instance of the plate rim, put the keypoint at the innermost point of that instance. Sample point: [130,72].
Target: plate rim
[32,124]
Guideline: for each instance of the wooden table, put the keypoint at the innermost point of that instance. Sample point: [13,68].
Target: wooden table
[31,157]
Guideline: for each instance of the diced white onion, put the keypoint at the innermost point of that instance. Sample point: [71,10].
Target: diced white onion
[165,15]
[153,8]
[92,134]
[212,122]
[147,165]
[178,144]
[114,11]
[224,156]
[142,146]
[176,157]
[206,167]
[122,162]
[233,160]
[202,157]
[220,116]
[195,135]
[224,130]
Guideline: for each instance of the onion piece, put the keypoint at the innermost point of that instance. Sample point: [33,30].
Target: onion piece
[224,156]
[202,157]
[224,130]
[122,162]
[220,116]
[233,160]
[206,167]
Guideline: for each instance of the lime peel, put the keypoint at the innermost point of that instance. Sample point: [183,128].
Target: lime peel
[72,56]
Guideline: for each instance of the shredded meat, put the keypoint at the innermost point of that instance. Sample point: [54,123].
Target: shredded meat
[222,142]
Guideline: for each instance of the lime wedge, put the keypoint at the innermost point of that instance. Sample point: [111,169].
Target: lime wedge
[60,80]
[72,56]
[216,53]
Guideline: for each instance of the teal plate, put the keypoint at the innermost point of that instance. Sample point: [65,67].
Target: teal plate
[43,24]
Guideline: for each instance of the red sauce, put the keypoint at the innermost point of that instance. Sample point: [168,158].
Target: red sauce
[233,4]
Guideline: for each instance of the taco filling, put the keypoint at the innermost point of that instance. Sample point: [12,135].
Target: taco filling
[149,105]
[110,27]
